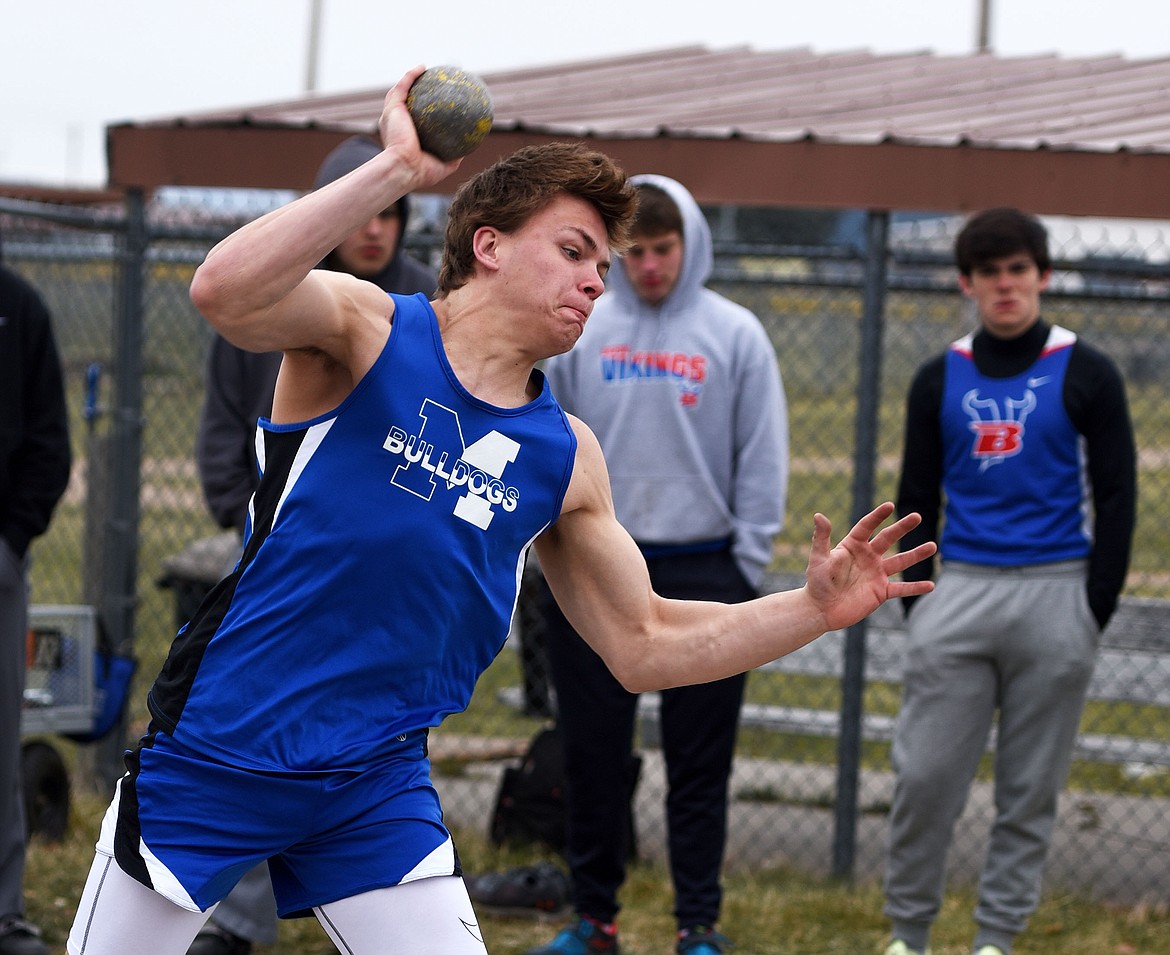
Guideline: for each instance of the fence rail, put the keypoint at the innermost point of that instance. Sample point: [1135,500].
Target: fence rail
[849,328]
[1123,674]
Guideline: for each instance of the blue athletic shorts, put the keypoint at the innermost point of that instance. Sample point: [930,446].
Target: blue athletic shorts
[189,827]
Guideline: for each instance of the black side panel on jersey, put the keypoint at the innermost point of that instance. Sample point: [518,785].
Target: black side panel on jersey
[128,833]
[168,696]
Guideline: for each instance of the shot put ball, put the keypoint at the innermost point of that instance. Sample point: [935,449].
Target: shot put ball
[451,109]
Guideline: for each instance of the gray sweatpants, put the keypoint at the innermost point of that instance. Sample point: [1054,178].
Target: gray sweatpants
[1018,640]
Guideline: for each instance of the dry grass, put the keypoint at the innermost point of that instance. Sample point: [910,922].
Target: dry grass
[768,913]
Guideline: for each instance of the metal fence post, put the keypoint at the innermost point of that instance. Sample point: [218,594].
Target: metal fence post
[853,672]
[120,564]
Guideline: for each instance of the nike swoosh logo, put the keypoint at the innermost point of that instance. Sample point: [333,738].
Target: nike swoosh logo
[1037,382]
[472,930]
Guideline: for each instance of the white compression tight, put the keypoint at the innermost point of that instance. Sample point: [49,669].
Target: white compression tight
[118,914]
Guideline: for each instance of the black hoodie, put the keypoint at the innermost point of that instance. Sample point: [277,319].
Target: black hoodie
[402,274]
[34,423]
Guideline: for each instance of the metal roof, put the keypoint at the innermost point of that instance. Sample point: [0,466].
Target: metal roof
[791,127]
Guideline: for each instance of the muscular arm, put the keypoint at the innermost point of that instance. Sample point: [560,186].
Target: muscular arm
[258,286]
[600,581]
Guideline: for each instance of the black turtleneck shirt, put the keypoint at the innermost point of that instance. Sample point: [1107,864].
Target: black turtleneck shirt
[1094,398]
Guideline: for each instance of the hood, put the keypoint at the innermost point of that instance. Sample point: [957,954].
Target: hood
[345,158]
[698,256]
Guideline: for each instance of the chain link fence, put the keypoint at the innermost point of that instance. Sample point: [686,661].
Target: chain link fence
[142,549]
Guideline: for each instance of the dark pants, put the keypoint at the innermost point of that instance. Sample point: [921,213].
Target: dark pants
[699,723]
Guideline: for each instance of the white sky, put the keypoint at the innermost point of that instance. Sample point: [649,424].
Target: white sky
[70,67]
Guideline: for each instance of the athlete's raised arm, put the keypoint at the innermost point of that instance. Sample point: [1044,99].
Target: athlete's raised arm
[257,287]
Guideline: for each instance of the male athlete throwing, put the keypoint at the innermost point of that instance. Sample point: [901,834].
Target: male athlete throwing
[412,457]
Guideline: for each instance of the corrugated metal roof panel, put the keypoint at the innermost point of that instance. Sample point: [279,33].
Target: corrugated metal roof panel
[846,129]
[917,98]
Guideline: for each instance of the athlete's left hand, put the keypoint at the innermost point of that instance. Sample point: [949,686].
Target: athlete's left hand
[851,580]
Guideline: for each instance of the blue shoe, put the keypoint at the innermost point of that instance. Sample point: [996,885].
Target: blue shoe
[701,940]
[580,938]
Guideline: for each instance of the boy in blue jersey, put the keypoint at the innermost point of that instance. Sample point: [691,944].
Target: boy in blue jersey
[238,393]
[412,457]
[1023,430]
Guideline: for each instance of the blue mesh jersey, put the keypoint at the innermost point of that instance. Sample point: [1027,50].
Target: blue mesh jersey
[1014,467]
[381,571]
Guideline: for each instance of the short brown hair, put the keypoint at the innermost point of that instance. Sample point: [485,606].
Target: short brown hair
[508,193]
[657,213]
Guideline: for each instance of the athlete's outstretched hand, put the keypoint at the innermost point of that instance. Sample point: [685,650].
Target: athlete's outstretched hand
[852,580]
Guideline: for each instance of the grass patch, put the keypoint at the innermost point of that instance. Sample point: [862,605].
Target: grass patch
[772,912]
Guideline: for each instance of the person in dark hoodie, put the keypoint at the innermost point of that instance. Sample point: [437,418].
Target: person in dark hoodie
[34,470]
[239,392]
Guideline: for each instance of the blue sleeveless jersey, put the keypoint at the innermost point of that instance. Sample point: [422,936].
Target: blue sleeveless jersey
[383,565]
[1014,468]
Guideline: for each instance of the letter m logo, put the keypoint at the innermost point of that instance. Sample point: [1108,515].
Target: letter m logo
[440,429]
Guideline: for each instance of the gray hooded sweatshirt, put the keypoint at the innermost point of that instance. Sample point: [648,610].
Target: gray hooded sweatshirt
[687,402]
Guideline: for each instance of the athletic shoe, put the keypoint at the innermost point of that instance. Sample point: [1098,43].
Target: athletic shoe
[701,940]
[580,938]
[20,937]
[217,940]
[989,950]
[535,890]
[898,947]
